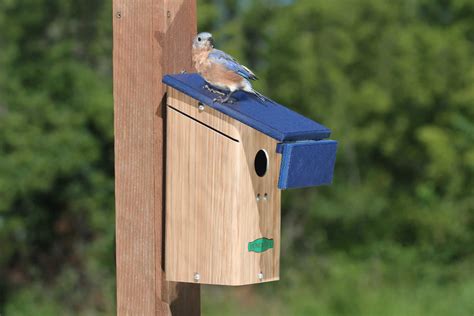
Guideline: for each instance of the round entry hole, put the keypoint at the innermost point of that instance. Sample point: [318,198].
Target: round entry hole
[261,163]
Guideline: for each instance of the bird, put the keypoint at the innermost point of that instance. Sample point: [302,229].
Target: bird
[221,70]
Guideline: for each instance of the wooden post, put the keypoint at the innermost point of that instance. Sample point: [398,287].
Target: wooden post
[151,38]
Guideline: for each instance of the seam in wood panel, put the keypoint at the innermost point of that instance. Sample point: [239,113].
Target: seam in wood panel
[208,126]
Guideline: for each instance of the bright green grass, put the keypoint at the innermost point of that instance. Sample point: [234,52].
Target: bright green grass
[394,283]
[344,287]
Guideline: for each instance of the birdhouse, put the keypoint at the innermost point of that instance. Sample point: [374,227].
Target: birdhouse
[226,165]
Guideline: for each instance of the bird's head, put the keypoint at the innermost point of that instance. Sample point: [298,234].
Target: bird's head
[203,41]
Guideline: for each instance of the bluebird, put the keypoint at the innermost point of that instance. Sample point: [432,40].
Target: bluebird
[220,69]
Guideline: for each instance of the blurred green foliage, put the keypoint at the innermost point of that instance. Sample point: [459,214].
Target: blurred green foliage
[56,157]
[394,80]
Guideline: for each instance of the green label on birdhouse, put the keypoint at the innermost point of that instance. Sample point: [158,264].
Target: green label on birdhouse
[260,245]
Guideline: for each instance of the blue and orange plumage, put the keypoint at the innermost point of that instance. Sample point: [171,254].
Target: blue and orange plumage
[220,69]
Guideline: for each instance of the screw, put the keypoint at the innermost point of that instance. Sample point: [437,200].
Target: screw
[258,197]
[183,71]
[118,15]
[197,277]
[265,197]
[260,276]
[201,107]
[168,14]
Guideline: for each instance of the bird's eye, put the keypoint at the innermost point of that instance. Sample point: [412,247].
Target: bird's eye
[199,39]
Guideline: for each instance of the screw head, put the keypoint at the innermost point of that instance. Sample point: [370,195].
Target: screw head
[118,15]
[258,197]
[201,107]
[197,277]
[265,196]
[260,276]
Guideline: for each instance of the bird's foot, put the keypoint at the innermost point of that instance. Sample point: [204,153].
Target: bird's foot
[213,90]
[223,100]
[218,100]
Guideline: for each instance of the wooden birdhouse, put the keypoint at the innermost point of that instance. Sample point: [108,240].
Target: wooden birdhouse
[226,165]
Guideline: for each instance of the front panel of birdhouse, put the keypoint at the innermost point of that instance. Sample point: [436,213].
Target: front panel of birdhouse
[222,197]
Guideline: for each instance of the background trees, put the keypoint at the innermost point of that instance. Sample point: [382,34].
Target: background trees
[394,81]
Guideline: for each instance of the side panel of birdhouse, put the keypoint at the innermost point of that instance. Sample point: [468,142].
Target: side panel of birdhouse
[200,201]
[222,214]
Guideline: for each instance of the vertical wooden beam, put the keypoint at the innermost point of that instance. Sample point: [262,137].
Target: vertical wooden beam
[151,38]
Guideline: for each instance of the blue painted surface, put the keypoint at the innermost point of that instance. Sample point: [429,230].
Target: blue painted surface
[270,118]
[307,163]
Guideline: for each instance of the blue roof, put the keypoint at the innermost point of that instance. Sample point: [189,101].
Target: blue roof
[270,118]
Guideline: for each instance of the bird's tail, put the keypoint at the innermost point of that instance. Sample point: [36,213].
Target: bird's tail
[260,96]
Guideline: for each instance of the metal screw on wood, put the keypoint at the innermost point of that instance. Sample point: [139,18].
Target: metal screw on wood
[197,277]
[260,276]
[265,196]
[118,15]
[201,107]
[258,197]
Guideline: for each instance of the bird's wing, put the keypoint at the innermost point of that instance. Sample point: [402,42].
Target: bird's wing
[230,63]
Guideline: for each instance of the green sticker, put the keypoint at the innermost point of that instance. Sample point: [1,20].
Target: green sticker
[260,245]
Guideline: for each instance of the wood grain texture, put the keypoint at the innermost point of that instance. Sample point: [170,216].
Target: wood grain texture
[151,38]
[212,210]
